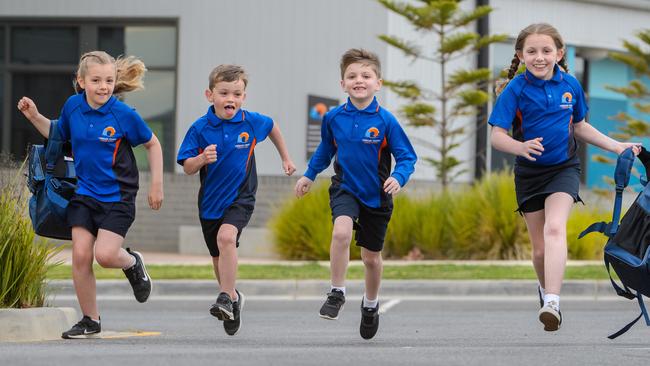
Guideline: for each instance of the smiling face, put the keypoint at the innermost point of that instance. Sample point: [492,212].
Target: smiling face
[540,54]
[227,97]
[360,82]
[98,82]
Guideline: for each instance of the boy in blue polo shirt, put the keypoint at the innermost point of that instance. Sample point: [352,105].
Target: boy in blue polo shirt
[221,146]
[362,136]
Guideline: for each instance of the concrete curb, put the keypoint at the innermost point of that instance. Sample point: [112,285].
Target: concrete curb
[594,289]
[35,324]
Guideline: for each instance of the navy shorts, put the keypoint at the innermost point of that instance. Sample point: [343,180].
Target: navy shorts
[91,214]
[236,215]
[370,224]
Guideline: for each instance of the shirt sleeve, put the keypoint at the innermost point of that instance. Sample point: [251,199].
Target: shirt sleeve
[135,129]
[263,128]
[324,152]
[63,124]
[580,108]
[190,147]
[505,109]
[402,150]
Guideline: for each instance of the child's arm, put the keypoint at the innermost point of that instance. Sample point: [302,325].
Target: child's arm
[405,157]
[276,137]
[589,134]
[319,161]
[208,156]
[503,142]
[154,155]
[30,111]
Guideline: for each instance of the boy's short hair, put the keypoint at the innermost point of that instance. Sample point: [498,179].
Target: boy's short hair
[227,73]
[362,56]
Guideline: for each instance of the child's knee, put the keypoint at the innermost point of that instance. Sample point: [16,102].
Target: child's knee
[372,260]
[104,258]
[226,241]
[341,236]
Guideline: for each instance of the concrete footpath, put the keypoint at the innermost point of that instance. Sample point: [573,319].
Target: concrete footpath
[47,323]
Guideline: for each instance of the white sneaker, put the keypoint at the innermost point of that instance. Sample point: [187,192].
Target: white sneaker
[551,316]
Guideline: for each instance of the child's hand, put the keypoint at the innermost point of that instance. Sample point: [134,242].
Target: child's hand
[288,166]
[391,186]
[210,154]
[531,147]
[302,186]
[636,147]
[28,108]
[155,197]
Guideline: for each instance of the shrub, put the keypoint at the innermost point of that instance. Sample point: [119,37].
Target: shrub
[24,261]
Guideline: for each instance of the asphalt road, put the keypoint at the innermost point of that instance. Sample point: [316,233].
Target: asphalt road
[276,331]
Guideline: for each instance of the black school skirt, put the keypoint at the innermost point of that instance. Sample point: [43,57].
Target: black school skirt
[533,183]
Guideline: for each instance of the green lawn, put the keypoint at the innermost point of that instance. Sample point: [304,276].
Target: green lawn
[317,271]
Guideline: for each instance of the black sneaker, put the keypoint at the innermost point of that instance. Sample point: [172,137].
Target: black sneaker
[138,277]
[369,321]
[232,326]
[86,328]
[222,309]
[333,304]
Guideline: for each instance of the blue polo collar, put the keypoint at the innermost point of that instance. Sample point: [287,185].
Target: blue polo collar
[215,120]
[557,77]
[373,107]
[85,107]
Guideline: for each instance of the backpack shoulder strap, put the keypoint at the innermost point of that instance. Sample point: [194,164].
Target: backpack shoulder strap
[622,178]
[54,147]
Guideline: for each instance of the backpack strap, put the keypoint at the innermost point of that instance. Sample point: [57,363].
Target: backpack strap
[54,147]
[622,178]
[644,313]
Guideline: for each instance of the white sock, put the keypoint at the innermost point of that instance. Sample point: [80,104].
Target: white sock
[552,297]
[342,289]
[370,303]
[95,320]
[132,263]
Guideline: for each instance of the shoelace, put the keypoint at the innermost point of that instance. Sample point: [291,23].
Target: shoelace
[334,299]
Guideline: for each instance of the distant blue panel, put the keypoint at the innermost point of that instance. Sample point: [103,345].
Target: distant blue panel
[570,57]
[607,72]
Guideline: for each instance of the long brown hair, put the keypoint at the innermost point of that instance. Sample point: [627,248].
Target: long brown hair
[129,70]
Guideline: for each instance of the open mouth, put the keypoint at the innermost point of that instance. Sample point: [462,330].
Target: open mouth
[229,108]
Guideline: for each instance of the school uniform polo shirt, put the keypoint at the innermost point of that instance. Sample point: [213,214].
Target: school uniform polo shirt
[233,177]
[362,141]
[545,108]
[101,142]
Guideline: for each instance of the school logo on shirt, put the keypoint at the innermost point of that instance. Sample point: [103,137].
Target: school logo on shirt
[566,102]
[107,135]
[372,136]
[242,141]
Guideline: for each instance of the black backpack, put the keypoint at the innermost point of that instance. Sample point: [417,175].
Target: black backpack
[626,250]
[52,181]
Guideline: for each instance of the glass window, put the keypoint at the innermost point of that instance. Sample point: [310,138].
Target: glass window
[2,44]
[45,45]
[155,104]
[49,92]
[111,40]
[156,46]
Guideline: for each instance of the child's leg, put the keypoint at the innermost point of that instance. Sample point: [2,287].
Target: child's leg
[82,271]
[227,260]
[373,269]
[340,249]
[535,225]
[215,267]
[109,252]
[557,208]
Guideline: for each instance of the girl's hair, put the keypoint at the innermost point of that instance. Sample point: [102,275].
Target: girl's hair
[129,70]
[227,73]
[537,28]
[362,56]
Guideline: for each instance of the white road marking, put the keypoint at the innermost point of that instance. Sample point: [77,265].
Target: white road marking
[383,308]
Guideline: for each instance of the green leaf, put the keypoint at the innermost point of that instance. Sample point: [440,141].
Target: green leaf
[462,77]
[465,18]
[489,39]
[473,97]
[457,42]
[409,48]
[442,12]
[405,89]
[419,114]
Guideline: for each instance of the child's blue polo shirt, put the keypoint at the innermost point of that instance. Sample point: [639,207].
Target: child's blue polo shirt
[233,176]
[363,141]
[546,108]
[101,144]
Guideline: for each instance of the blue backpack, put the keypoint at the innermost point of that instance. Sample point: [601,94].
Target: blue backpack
[626,250]
[52,181]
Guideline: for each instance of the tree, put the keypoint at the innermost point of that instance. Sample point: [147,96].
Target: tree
[460,90]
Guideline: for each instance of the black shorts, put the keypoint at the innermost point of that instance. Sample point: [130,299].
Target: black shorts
[369,223]
[534,183]
[91,214]
[236,215]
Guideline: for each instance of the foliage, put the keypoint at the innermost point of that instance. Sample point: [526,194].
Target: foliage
[24,261]
[473,222]
[460,90]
